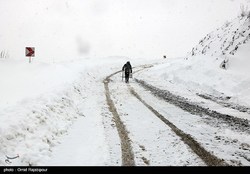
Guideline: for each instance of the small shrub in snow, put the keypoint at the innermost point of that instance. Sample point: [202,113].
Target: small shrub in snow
[224,64]
[4,54]
[244,11]
[226,25]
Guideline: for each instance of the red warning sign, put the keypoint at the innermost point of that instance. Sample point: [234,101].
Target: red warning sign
[30,51]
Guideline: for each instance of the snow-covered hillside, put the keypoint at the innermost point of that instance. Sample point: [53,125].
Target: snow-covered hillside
[226,40]
[200,71]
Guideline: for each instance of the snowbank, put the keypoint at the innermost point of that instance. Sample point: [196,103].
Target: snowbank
[40,102]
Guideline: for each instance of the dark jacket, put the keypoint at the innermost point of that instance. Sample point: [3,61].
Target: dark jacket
[127,68]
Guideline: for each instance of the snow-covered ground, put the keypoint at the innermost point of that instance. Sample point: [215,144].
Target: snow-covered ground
[40,102]
[57,113]
[202,74]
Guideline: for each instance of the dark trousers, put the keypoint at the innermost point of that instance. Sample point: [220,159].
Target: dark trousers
[126,77]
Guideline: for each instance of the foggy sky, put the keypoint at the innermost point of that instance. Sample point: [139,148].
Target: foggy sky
[68,29]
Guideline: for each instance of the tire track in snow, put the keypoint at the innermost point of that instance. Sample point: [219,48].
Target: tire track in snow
[223,101]
[126,148]
[127,153]
[234,123]
[206,156]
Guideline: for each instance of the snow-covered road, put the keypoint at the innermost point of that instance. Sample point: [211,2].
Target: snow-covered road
[153,142]
[102,121]
[216,138]
[188,103]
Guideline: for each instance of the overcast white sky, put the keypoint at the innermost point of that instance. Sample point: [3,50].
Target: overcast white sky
[58,29]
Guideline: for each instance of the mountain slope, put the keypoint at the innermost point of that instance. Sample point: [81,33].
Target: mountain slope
[226,40]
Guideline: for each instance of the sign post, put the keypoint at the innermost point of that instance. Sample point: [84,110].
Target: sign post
[30,52]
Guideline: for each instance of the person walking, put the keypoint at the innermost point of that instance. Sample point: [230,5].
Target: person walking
[127,69]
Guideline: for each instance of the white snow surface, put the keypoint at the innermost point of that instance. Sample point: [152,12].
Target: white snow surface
[54,112]
[41,102]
